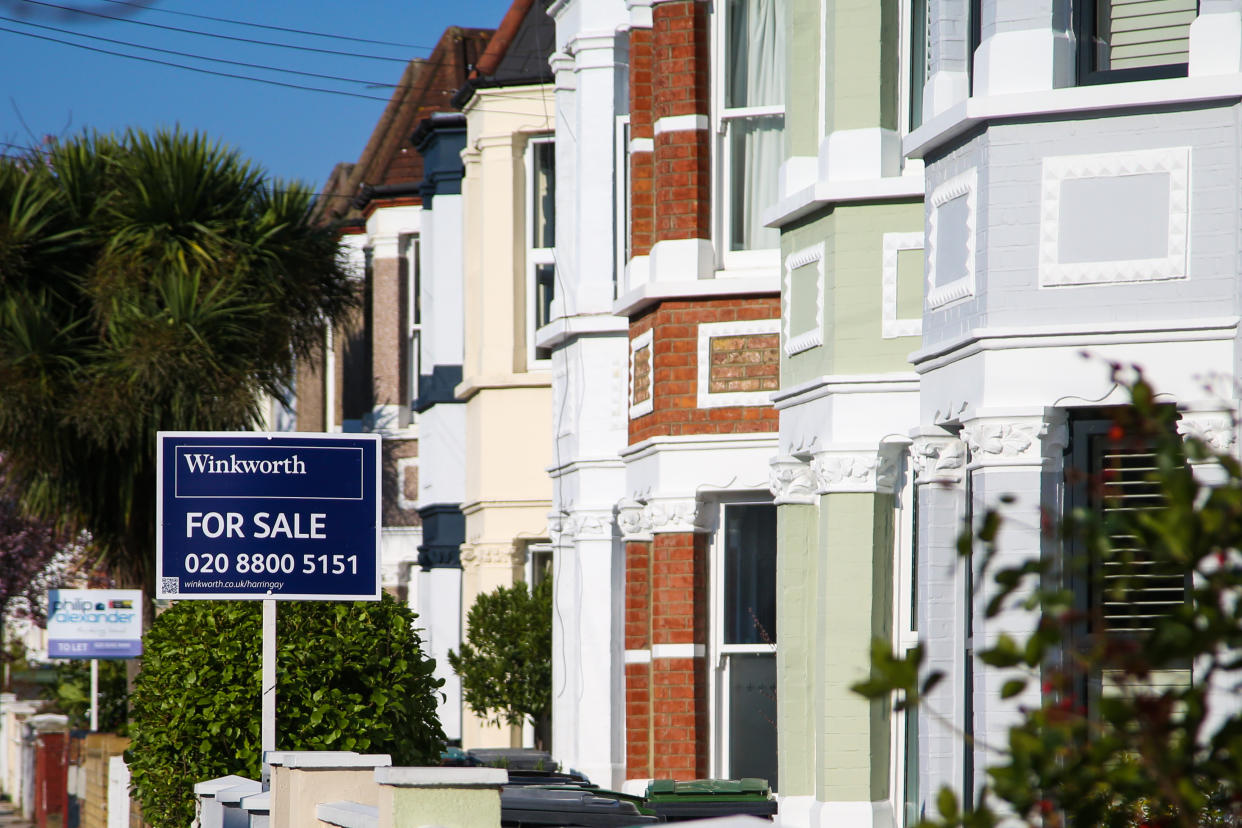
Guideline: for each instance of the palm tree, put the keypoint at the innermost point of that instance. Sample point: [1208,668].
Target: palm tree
[147,282]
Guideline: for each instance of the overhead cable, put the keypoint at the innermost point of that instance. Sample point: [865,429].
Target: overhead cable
[358,95]
[149,7]
[212,34]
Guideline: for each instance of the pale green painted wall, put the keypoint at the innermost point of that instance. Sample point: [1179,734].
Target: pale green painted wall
[853,606]
[853,295]
[862,85]
[802,70]
[863,64]
[796,556]
[449,807]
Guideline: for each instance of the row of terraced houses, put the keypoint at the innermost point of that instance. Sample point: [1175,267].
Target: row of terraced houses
[725,315]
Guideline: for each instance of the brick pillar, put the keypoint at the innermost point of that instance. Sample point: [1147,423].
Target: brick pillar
[638,660]
[679,703]
[682,179]
[642,205]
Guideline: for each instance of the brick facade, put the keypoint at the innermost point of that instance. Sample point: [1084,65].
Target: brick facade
[753,359]
[673,380]
[666,600]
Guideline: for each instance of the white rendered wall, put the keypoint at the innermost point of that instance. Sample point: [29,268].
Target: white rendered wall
[590,372]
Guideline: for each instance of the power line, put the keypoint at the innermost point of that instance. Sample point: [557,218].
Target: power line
[193,55]
[149,7]
[358,95]
[211,34]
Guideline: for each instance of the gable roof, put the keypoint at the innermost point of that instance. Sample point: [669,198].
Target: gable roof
[389,168]
[518,53]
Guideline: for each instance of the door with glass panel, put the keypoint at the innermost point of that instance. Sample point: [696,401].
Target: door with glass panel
[744,632]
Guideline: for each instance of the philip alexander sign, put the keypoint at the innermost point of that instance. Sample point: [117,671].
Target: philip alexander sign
[94,623]
[244,515]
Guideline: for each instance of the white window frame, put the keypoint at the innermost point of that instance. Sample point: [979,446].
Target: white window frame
[621,209]
[905,51]
[767,259]
[410,246]
[718,651]
[535,256]
[905,632]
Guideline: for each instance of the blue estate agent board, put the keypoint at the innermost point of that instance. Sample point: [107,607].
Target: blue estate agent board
[94,623]
[245,515]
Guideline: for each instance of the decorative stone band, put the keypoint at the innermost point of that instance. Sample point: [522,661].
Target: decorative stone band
[1218,431]
[1016,441]
[678,651]
[593,523]
[854,470]
[791,481]
[639,520]
[938,457]
[474,556]
[638,656]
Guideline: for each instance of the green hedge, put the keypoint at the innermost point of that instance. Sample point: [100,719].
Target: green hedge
[350,676]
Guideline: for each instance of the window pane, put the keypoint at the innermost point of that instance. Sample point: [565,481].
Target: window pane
[754,57]
[910,794]
[545,291]
[1132,34]
[754,152]
[750,574]
[543,206]
[918,60]
[752,716]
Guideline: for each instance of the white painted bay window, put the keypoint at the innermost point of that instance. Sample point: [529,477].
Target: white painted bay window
[744,642]
[750,107]
[540,243]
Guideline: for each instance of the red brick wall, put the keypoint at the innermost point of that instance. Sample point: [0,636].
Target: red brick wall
[681,63]
[681,57]
[638,676]
[642,207]
[667,700]
[675,345]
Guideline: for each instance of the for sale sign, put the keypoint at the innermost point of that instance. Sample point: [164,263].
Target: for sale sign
[242,515]
[94,623]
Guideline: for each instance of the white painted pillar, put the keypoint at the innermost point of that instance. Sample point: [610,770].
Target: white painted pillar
[939,462]
[1216,38]
[1027,46]
[1018,456]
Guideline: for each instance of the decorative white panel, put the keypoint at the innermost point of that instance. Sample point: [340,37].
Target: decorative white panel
[891,326]
[713,330]
[638,409]
[1118,221]
[943,288]
[803,340]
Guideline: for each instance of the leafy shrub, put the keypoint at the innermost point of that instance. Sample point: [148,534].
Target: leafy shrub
[505,663]
[350,676]
[71,694]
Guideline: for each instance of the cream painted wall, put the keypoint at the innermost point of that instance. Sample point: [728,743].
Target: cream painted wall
[508,408]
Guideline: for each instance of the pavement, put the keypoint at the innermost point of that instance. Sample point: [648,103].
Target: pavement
[11,818]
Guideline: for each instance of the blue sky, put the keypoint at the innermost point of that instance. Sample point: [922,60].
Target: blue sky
[58,89]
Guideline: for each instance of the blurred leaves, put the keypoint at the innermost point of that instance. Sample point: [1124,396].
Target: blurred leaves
[1148,751]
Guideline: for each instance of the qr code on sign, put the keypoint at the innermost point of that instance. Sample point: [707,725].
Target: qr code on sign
[170,586]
